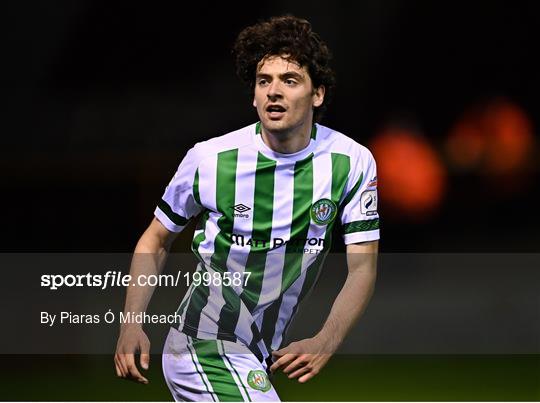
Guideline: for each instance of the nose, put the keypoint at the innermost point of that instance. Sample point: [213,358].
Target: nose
[274,90]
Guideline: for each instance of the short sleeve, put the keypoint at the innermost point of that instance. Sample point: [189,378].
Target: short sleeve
[359,215]
[180,201]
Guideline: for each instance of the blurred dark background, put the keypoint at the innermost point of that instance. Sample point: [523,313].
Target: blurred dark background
[105,98]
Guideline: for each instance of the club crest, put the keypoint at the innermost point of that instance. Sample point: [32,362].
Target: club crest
[323,211]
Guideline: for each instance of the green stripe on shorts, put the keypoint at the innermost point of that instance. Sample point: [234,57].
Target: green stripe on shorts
[234,369]
[197,369]
[216,371]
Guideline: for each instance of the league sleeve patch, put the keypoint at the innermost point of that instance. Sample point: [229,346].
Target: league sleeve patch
[368,202]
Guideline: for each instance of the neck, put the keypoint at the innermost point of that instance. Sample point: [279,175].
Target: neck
[288,142]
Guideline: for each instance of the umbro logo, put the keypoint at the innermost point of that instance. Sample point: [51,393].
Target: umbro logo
[240,210]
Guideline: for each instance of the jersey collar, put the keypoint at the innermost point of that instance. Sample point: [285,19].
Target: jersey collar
[268,152]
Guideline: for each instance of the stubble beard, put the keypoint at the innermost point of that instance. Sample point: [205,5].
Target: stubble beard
[281,128]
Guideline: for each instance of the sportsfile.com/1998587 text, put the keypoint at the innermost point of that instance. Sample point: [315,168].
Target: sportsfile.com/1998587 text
[116,279]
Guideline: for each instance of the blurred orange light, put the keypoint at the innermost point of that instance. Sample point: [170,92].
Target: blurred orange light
[511,138]
[411,177]
[466,144]
[495,138]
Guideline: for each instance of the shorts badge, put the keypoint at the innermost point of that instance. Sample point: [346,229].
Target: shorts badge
[258,380]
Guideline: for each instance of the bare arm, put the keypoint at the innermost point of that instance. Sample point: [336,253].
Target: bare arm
[305,358]
[149,257]
[354,297]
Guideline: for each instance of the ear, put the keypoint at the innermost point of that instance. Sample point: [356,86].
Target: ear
[254,102]
[318,96]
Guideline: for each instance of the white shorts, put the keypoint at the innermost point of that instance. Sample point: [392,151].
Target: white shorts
[214,370]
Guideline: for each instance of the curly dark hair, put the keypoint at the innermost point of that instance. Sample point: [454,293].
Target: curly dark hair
[285,35]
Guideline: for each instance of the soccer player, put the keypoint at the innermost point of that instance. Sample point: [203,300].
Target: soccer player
[266,198]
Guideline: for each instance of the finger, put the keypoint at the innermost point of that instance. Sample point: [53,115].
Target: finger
[298,372]
[118,367]
[307,377]
[145,355]
[298,363]
[282,361]
[145,360]
[279,353]
[118,372]
[122,360]
[135,375]
[133,372]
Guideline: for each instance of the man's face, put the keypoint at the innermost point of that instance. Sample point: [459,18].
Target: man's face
[284,94]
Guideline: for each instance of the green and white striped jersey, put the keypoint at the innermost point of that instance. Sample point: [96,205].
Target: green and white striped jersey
[266,217]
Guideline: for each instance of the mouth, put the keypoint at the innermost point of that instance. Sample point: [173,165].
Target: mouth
[275,111]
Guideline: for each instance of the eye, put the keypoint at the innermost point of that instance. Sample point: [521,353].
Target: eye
[262,81]
[290,81]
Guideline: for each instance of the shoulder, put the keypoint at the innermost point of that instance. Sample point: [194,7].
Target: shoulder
[226,142]
[333,141]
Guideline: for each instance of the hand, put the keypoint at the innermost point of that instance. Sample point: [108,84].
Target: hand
[131,340]
[302,359]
